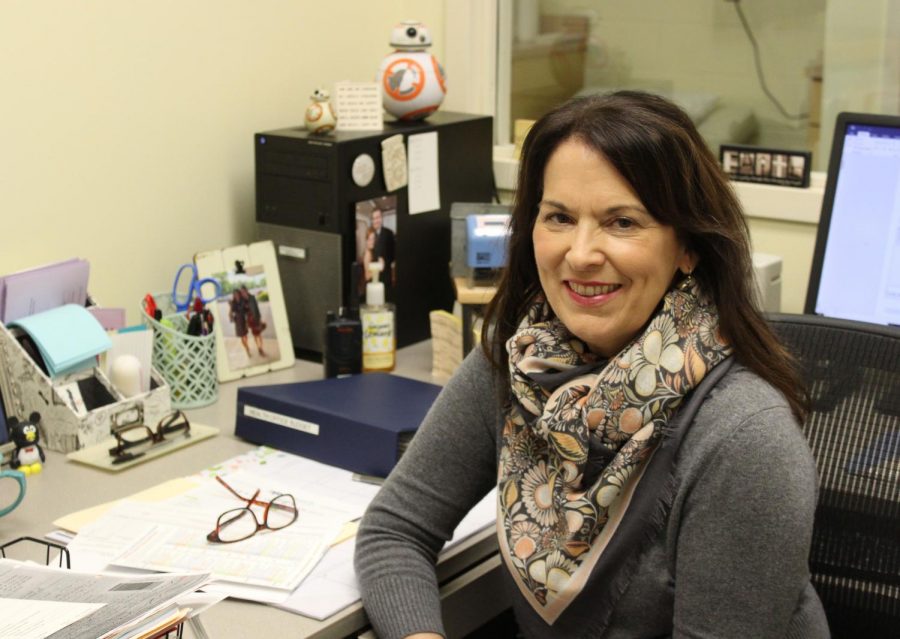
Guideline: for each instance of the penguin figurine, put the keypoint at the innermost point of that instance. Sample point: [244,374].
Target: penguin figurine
[28,456]
[320,116]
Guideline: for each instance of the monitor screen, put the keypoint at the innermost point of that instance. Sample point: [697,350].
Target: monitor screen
[856,263]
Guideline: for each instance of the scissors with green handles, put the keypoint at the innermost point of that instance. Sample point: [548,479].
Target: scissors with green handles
[188,286]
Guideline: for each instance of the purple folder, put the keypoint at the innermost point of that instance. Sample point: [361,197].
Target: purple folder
[39,289]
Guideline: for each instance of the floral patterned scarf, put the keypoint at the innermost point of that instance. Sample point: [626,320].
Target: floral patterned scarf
[579,433]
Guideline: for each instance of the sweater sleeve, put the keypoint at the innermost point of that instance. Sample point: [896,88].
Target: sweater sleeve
[742,549]
[449,466]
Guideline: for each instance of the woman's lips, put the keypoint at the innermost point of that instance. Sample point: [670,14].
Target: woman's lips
[590,294]
[592,290]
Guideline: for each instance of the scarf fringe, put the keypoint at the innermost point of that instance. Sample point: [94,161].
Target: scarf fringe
[657,520]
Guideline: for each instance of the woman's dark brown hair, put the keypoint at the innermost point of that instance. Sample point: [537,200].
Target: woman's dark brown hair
[656,148]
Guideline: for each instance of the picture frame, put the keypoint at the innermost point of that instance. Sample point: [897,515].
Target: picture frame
[250,317]
[781,167]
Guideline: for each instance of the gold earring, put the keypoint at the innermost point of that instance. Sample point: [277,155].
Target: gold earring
[687,282]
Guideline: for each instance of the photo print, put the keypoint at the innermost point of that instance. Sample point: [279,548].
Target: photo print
[730,161]
[765,166]
[245,317]
[376,240]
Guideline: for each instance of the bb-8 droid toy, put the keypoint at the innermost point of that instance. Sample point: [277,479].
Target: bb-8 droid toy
[320,116]
[412,82]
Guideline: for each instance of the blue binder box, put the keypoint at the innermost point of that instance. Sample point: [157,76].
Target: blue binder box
[361,423]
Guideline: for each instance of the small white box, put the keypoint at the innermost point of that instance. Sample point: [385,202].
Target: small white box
[767,273]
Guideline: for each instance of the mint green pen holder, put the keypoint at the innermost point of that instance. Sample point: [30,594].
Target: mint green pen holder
[186,362]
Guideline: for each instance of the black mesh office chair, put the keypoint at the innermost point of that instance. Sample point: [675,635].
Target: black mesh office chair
[853,373]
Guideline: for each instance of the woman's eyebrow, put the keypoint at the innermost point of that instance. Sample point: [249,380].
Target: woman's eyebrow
[554,203]
[627,207]
[617,208]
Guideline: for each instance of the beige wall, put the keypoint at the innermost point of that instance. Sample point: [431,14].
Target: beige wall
[128,126]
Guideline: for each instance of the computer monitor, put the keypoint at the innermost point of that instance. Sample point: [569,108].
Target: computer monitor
[856,264]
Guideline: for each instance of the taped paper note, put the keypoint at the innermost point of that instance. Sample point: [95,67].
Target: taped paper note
[424,181]
[393,159]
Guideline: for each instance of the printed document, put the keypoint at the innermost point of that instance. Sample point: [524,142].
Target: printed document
[25,619]
[170,535]
[332,586]
[93,605]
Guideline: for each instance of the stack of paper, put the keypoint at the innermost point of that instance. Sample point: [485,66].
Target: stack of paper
[306,568]
[166,529]
[40,601]
[68,337]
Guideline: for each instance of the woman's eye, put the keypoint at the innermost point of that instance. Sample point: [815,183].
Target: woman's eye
[555,217]
[623,223]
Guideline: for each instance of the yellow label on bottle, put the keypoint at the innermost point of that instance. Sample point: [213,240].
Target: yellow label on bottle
[378,340]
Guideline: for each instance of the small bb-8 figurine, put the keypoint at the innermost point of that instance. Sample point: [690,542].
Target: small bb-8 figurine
[412,81]
[320,116]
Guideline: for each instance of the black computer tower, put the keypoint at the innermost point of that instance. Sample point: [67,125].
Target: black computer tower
[309,205]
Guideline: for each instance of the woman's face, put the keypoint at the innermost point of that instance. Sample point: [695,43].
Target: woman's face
[604,262]
[370,240]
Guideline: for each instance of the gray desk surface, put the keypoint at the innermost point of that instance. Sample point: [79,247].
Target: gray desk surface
[64,487]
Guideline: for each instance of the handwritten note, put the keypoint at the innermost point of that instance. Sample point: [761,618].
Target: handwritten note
[424,182]
[358,106]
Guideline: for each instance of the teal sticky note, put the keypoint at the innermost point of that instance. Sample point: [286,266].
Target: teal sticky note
[68,337]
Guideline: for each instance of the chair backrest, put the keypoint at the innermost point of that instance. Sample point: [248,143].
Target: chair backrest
[852,370]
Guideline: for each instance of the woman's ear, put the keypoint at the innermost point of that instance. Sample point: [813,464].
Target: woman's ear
[688,261]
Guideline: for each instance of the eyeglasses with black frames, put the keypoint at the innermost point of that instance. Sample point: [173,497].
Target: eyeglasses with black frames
[242,523]
[134,438]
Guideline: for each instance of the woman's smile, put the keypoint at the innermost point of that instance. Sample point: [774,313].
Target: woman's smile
[591,292]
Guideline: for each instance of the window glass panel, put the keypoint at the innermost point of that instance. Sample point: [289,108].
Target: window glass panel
[746,73]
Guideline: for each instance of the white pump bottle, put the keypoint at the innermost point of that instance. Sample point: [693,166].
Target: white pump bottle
[377,317]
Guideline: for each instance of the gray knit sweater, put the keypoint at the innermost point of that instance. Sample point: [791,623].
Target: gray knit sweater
[730,562]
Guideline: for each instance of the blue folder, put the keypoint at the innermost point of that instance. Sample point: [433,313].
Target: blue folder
[361,423]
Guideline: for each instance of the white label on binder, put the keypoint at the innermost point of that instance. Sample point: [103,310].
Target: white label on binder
[291,251]
[281,420]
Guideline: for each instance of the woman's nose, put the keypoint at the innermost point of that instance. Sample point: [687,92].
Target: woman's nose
[586,250]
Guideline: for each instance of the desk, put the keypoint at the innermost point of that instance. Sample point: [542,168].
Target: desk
[470,573]
[470,298]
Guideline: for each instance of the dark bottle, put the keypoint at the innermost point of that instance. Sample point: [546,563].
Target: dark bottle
[343,343]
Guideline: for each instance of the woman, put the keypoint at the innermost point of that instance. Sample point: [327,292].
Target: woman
[237,313]
[369,257]
[254,319]
[632,407]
